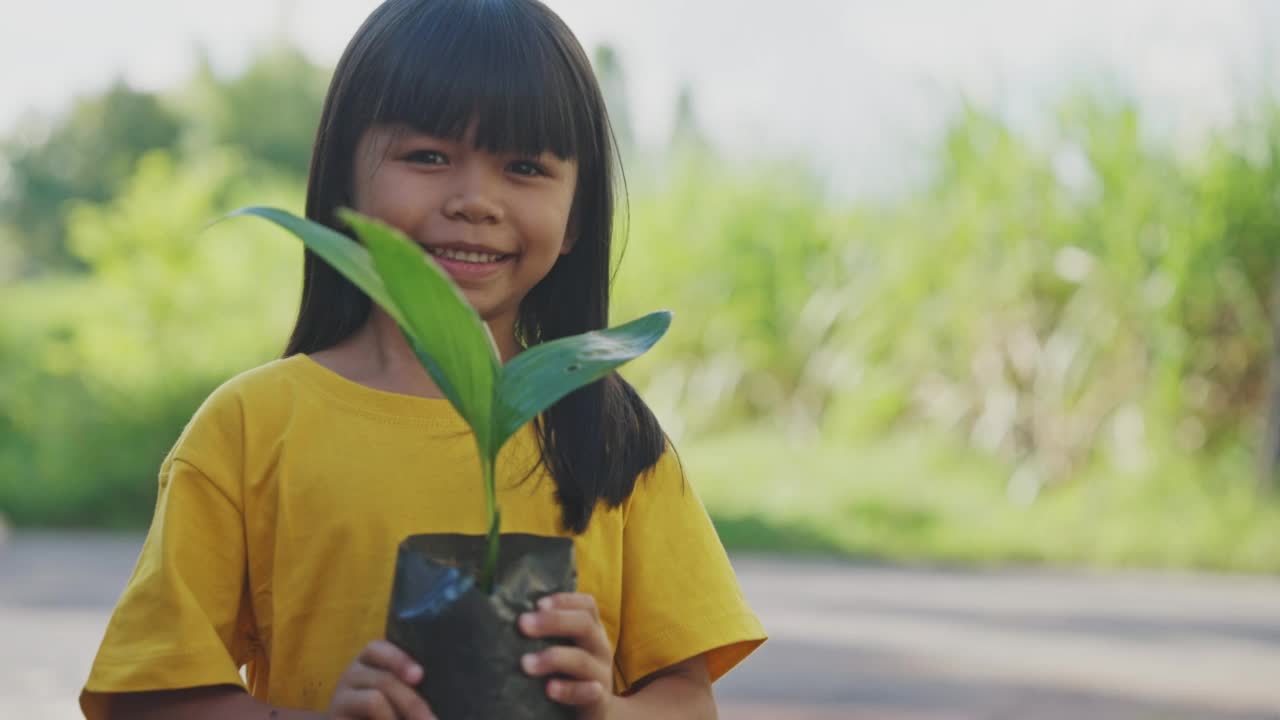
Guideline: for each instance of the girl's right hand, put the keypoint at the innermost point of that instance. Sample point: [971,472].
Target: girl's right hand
[379,686]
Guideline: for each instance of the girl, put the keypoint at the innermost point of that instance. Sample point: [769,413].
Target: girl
[477,128]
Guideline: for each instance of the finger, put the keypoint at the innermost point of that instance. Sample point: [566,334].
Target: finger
[383,655]
[363,704]
[574,662]
[584,629]
[404,700]
[575,693]
[570,601]
[558,623]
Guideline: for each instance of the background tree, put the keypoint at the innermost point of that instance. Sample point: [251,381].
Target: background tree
[87,155]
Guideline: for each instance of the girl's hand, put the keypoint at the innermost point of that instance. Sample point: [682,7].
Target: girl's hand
[588,667]
[379,686]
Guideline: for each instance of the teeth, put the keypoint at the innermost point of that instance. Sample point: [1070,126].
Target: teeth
[471,257]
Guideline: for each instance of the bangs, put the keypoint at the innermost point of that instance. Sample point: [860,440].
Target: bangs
[443,65]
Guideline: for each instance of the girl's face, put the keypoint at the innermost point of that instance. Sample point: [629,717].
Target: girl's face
[495,223]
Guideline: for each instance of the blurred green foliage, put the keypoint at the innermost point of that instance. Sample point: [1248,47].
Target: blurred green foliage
[85,157]
[270,111]
[1054,301]
[1057,350]
[102,370]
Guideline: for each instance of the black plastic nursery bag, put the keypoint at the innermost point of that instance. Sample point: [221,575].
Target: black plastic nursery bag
[467,642]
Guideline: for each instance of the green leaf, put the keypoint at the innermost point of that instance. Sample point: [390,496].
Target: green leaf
[538,377]
[450,339]
[344,254]
[454,344]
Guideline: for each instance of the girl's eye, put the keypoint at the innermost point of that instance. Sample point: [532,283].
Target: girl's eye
[528,168]
[426,157]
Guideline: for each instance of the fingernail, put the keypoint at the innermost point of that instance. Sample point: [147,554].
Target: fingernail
[528,621]
[415,673]
[546,603]
[529,663]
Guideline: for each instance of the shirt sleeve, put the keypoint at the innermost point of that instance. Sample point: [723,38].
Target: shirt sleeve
[680,596]
[183,620]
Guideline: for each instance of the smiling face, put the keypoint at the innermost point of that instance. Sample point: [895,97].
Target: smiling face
[496,223]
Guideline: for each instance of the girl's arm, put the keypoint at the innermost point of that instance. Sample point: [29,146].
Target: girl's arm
[681,692]
[206,703]
[378,685]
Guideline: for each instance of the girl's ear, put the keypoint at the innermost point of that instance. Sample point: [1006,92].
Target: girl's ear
[570,235]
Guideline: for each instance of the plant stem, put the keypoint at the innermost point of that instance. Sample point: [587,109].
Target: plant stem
[491,549]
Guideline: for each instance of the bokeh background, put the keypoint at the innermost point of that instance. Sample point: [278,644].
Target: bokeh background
[990,283]
[977,346]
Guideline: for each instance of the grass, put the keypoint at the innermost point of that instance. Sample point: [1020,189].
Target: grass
[919,498]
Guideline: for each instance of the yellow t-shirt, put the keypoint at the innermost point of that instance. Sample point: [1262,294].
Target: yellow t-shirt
[280,510]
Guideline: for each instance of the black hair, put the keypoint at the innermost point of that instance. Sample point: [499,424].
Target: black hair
[516,69]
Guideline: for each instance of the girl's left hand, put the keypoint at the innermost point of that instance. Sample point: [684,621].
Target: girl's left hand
[587,668]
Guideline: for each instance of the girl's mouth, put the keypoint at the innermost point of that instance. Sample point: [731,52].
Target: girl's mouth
[464,266]
[475,258]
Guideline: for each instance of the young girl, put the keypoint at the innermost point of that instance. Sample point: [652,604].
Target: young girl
[477,128]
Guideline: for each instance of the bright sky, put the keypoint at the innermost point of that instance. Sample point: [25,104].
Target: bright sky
[857,84]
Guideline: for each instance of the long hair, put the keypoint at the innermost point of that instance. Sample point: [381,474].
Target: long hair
[517,70]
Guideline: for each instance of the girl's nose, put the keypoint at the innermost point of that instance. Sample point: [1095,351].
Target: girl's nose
[473,206]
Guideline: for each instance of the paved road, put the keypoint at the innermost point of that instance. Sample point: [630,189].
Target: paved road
[849,642]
